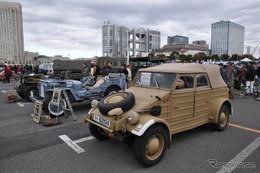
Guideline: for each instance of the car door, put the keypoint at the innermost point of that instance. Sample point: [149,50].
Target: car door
[202,98]
[182,102]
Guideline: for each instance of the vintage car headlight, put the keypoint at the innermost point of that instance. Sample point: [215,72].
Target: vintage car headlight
[132,117]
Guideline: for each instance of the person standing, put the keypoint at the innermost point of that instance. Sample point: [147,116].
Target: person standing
[250,78]
[107,69]
[258,74]
[124,70]
[223,72]
[230,80]
[85,69]
[129,76]
[96,69]
[7,73]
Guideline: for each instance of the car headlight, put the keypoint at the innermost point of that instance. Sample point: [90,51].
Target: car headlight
[132,117]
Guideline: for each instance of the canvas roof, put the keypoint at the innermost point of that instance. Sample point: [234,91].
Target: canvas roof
[211,69]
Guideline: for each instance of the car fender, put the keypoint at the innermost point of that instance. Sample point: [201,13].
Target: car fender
[146,121]
[214,111]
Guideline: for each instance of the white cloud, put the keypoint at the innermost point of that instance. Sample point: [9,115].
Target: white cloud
[75,27]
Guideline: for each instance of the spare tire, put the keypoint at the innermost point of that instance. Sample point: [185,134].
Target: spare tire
[126,101]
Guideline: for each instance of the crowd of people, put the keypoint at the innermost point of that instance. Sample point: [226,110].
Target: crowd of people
[246,76]
[18,69]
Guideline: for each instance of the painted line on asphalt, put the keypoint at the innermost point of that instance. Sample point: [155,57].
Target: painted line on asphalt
[3,91]
[84,139]
[20,104]
[72,144]
[239,158]
[245,128]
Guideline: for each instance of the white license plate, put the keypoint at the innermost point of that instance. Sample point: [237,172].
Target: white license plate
[101,121]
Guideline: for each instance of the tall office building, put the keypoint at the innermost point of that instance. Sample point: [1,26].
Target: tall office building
[11,33]
[177,39]
[114,40]
[227,38]
[119,41]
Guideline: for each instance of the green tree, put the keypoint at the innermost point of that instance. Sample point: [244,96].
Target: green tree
[224,57]
[151,55]
[174,55]
[215,57]
[234,57]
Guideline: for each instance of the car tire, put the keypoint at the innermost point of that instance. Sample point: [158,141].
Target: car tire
[20,90]
[223,118]
[151,146]
[28,89]
[47,99]
[125,104]
[97,132]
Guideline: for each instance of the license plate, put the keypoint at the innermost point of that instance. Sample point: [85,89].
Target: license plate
[101,121]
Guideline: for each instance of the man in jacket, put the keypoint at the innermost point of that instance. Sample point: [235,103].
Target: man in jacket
[250,78]
[230,79]
[7,73]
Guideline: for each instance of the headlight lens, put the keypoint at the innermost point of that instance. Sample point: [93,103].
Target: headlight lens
[132,117]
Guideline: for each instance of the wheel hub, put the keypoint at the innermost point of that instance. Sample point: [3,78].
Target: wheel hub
[153,146]
[223,118]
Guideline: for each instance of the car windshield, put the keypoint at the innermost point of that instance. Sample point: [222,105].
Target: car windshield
[158,80]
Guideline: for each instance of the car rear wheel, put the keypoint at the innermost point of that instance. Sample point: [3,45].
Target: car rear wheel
[223,118]
[97,132]
[150,148]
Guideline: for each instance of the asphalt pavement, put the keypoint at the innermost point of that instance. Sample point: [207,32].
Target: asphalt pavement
[26,146]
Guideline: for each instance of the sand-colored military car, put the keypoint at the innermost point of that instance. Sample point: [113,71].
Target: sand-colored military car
[162,100]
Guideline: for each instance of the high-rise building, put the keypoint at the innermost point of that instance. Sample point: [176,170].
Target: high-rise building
[177,39]
[11,33]
[227,38]
[119,41]
[114,40]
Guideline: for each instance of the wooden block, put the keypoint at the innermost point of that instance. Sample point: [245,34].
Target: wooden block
[10,97]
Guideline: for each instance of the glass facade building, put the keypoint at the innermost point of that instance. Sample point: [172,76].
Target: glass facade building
[11,33]
[227,38]
[177,39]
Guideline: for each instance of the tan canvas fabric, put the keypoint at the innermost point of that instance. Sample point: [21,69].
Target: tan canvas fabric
[211,69]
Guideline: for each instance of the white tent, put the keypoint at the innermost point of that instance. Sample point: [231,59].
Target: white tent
[246,60]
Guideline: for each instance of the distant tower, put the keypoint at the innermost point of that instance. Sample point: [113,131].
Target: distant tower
[227,38]
[11,33]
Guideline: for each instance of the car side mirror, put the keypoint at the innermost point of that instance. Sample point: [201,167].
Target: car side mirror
[156,110]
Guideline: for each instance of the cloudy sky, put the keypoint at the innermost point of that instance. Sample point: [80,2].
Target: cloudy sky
[74,28]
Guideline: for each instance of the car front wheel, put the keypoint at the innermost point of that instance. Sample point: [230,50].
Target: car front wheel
[97,132]
[150,147]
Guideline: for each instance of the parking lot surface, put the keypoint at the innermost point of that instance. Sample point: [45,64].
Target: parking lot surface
[26,146]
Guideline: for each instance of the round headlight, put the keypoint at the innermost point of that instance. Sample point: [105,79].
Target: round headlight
[132,117]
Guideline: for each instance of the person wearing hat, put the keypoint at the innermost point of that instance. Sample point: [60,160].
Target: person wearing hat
[230,79]
[250,78]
